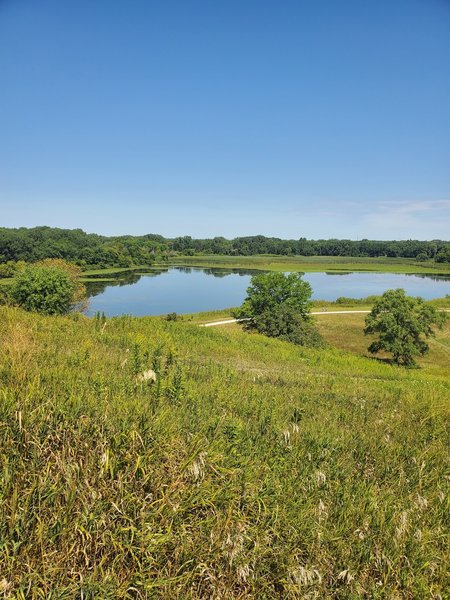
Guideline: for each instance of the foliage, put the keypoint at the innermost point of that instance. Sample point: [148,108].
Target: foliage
[268,291]
[11,268]
[346,301]
[75,245]
[171,316]
[443,256]
[74,272]
[278,305]
[285,322]
[45,289]
[401,321]
[5,295]
[252,468]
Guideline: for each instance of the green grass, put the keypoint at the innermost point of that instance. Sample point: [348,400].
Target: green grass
[284,263]
[109,271]
[314,263]
[98,279]
[317,305]
[251,469]
[346,332]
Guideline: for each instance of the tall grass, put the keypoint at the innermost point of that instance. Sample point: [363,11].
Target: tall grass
[307,264]
[250,469]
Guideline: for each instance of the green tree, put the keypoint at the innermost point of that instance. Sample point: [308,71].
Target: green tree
[45,289]
[75,273]
[443,255]
[401,323]
[278,305]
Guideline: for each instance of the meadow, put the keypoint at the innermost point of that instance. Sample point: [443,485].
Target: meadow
[251,468]
[309,264]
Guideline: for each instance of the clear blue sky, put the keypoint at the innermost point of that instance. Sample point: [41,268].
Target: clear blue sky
[297,118]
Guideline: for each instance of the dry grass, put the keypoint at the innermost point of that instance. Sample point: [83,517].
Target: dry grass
[250,469]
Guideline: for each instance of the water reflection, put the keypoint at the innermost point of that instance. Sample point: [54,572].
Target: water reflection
[192,289]
[94,288]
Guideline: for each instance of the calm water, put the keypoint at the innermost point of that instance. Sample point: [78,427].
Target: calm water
[185,289]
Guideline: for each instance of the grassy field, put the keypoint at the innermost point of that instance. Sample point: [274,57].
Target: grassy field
[317,306]
[346,332]
[315,263]
[251,468]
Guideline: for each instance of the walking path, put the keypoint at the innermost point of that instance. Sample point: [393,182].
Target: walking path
[323,312]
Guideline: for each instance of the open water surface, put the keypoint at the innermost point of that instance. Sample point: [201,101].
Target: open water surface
[191,289]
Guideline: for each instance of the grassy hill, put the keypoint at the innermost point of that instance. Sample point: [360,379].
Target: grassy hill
[251,468]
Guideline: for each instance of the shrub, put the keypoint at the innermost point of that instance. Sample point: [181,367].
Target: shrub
[171,316]
[285,323]
[43,289]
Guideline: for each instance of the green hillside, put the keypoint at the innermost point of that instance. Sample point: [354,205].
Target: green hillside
[252,468]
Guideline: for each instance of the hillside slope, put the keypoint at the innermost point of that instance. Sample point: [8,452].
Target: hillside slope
[251,468]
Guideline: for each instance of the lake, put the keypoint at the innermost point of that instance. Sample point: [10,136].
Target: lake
[190,289]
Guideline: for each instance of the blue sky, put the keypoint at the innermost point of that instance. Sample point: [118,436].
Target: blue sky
[297,118]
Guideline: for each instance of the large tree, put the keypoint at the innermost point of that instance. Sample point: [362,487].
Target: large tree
[402,322]
[278,305]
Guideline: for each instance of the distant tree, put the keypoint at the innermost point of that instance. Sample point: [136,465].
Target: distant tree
[278,305]
[443,255]
[401,323]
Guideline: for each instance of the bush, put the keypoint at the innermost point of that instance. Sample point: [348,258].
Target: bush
[5,297]
[43,289]
[285,323]
[171,316]
[11,268]
[74,272]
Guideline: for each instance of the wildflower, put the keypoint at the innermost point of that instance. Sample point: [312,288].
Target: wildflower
[149,375]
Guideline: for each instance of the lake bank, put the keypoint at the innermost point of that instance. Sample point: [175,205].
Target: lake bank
[173,289]
[311,264]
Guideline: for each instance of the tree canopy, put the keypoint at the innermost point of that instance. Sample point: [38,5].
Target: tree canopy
[402,322]
[90,249]
[278,305]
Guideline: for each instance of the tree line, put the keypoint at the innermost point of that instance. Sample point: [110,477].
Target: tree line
[90,249]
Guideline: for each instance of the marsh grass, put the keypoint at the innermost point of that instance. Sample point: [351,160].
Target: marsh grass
[250,468]
[313,263]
